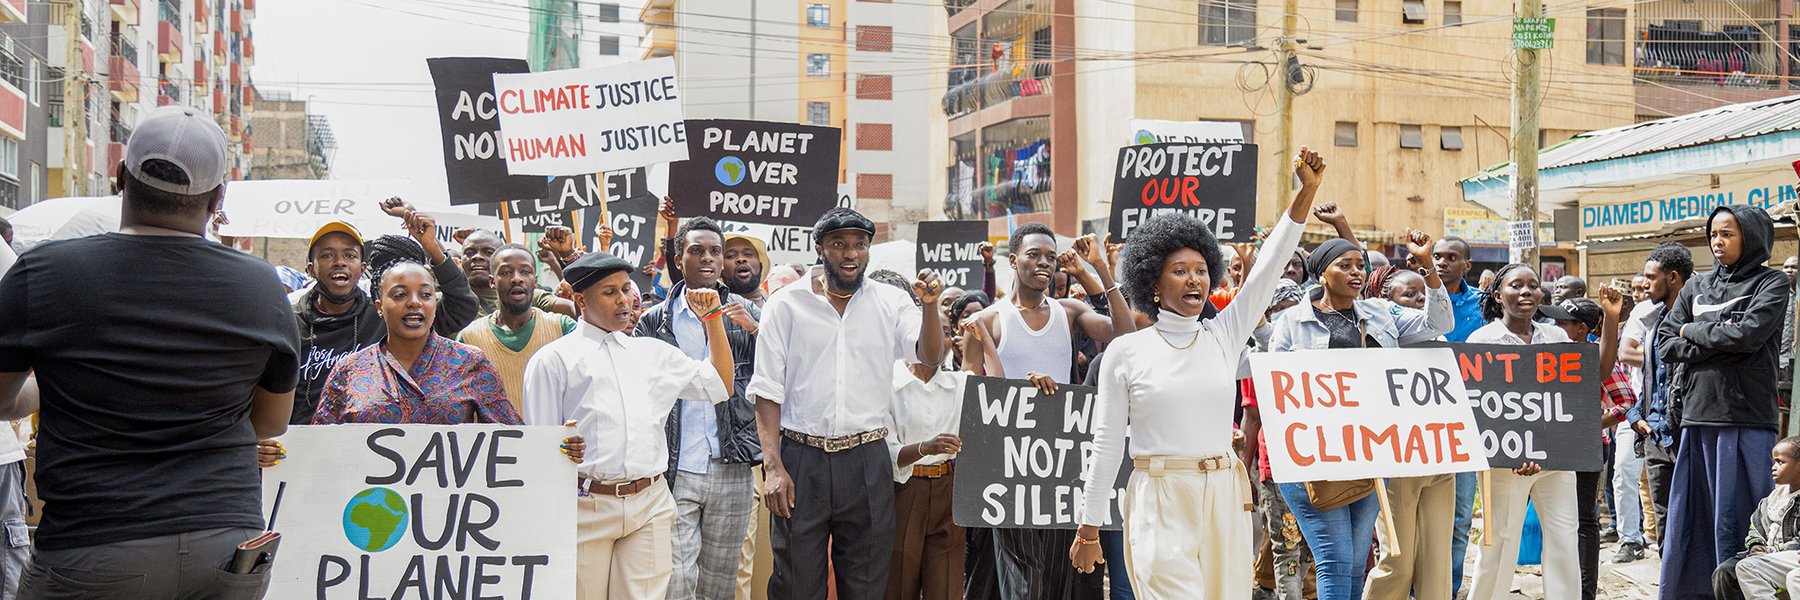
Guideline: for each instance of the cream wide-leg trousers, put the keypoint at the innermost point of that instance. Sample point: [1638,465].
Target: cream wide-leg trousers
[623,546]
[1188,529]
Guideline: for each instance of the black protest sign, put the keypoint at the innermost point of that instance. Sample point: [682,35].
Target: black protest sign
[1538,403]
[633,223]
[576,192]
[474,151]
[757,172]
[1215,183]
[1023,456]
[952,250]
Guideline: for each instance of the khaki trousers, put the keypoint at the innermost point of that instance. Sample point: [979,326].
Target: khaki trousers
[1553,493]
[757,562]
[1424,509]
[1188,534]
[623,545]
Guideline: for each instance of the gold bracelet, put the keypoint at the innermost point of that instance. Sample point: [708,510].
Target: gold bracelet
[1086,542]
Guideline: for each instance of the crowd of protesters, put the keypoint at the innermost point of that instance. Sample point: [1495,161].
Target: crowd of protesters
[818,406]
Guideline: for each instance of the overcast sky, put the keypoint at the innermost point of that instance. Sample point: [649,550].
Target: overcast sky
[362,64]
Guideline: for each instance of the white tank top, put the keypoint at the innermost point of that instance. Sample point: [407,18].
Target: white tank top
[1024,350]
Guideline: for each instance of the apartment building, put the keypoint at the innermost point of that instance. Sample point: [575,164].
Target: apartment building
[873,69]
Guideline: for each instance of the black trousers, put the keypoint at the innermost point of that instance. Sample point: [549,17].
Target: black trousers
[1587,531]
[1659,468]
[1033,564]
[844,508]
[183,565]
[1725,581]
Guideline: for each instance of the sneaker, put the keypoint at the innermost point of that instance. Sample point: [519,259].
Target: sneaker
[1609,535]
[1629,552]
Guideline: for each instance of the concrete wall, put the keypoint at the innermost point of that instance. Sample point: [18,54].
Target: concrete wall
[920,47]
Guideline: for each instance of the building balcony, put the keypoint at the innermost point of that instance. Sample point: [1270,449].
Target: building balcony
[202,16]
[249,52]
[124,79]
[662,4]
[219,105]
[971,91]
[200,76]
[663,39]
[169,42]
[115,153]
[124,11]
[237,21]
[168,90]
[168,10]
[249,9]
[12,11]
[237,128]
[12,111]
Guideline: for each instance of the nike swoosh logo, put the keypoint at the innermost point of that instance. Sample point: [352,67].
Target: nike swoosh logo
[1701,308]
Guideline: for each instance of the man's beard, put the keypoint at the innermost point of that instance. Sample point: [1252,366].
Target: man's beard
[848,286]
[515,309]
[742,287]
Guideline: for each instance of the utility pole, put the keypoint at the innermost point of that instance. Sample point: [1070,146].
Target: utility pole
[1284,107]
[74,104]
[1525,103]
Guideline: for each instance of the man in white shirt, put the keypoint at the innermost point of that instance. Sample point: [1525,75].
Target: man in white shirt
[825,350]
[618,391]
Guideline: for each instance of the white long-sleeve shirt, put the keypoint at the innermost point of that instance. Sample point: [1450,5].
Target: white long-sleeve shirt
[1178,402]
[619,390]
[831,374]
[922,410]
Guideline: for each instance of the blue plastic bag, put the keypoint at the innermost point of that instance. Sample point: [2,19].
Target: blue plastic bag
[1531,538]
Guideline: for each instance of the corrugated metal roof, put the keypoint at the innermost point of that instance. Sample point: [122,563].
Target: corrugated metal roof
[1731,122]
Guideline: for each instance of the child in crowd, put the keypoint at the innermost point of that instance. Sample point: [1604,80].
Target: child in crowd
[1772,550]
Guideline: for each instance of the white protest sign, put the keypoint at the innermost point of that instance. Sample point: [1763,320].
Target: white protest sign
[423,512]
[297,208]
[1149,131]
[1336,415]
[577,121]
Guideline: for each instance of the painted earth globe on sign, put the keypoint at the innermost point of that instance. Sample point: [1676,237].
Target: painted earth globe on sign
[1145,137]
[730,170]
[375,519]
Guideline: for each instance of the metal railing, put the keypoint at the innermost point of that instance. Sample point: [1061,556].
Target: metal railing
[124,47]
[970,89]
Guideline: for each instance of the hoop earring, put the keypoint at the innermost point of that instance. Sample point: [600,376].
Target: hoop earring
[1157,298]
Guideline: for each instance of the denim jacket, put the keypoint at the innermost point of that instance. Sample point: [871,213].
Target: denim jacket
[1391,325]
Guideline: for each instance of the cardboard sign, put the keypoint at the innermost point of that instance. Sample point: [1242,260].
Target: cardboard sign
[1024,456]
[952,250]
[539,223]
[578,121]
[474,152]
[1148,131]
[1215,183]
[576,192]
[633,223]
[1538,403]
[401,511]
[1337,415]
[757,172]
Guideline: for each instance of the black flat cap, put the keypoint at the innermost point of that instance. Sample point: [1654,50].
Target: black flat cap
[838,219]
[591,268]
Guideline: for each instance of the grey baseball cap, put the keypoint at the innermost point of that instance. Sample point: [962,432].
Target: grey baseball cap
[186,138]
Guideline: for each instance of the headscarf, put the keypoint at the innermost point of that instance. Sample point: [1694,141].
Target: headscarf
[1327,252]
[1287,291]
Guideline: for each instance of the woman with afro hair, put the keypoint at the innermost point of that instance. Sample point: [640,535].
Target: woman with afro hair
[1188,526]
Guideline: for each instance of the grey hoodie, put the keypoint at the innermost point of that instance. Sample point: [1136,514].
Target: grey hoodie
[1726,362]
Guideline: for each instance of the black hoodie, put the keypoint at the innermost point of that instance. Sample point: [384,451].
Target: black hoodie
[326,339]
[1726,360]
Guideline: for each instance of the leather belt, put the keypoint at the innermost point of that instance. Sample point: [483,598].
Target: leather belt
[619,490]
[836,444]
[932,471]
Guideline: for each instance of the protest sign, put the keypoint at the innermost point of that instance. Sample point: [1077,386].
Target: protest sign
[1338,415]
[633,223]
[1024,455]
[474,153]
[1537,403]
[576,121]
[1215,183]
[576,192]
[757,171]
[422,511]
[952,250]
[296,209]
[539,223]
[1150,131]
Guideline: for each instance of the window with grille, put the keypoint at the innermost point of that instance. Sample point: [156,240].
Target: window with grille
[1346,11]
[1227,22]
[874,136]
[1450,138]
[818,65]
[818,16]
[608,13]
[1412,12]
[1452,13]
[9,158]
[818,113]
[609,45]
[1345,134]
[874,38]
[1606,36]
[13,69]
[1412,137]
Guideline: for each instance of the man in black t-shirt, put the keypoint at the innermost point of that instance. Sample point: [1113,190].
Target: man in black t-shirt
[156,359]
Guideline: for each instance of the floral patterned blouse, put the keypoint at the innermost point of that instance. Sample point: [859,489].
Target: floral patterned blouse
[451,383]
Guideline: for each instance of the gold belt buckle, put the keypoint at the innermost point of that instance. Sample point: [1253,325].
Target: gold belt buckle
[835,445]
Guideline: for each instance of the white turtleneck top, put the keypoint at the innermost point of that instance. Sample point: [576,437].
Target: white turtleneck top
[1178,398]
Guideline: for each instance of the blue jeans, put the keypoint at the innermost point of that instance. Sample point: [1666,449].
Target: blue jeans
[1465,518]
[1112,546]
[1339,539]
